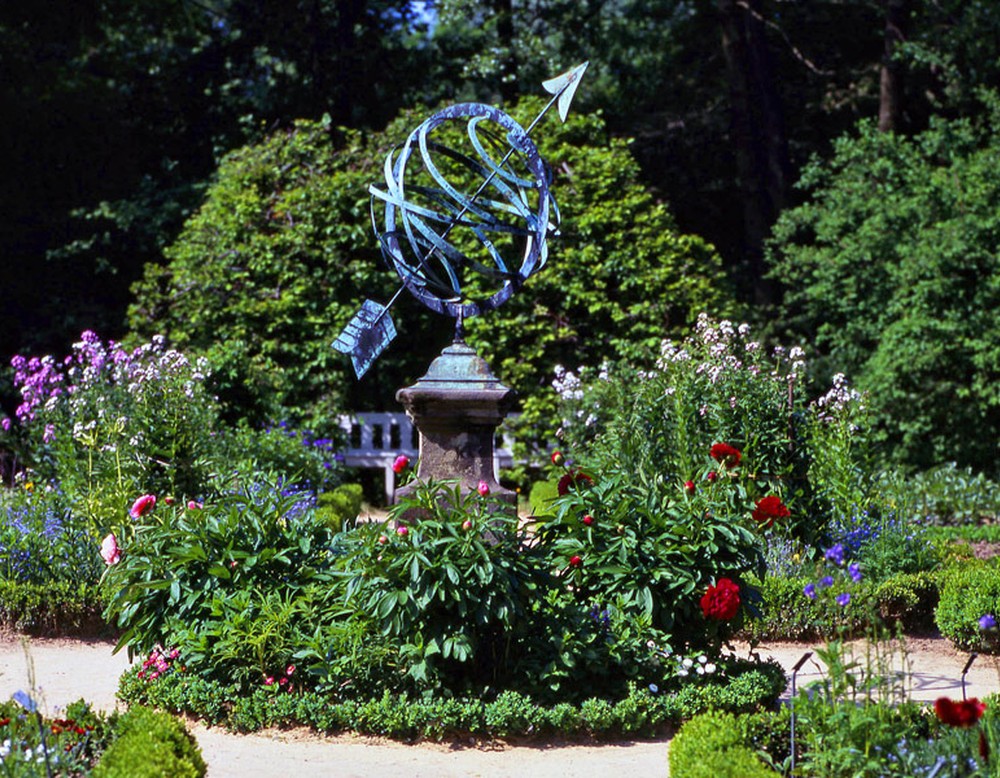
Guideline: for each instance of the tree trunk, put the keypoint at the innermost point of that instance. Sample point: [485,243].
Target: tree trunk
[890,104]
[504,10]
[758,133]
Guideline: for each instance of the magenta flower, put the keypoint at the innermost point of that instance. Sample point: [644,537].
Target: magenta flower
[194,506]
[401,463]
[142,506]
[402,532]
[110,552]
[483,488]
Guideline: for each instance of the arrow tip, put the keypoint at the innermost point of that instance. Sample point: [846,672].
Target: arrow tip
[565,86]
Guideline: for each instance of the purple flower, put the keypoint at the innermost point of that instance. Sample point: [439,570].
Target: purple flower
[854,570]
[810,591]
[988,621]
[5,423]
[843,598]
[835,554]
[826,581]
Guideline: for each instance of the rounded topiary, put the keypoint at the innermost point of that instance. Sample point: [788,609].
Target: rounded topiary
[151,744]
[969,593]
[713,746]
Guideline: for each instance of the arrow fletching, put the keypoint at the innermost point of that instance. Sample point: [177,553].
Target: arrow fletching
[366,336]
[565,86]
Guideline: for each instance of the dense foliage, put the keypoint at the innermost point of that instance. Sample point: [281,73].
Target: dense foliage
[892,263]
[280,257]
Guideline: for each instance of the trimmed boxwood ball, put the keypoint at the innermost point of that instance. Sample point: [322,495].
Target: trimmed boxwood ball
[970,591]
[151,744]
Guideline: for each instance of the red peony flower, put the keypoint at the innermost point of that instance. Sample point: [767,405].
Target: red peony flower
[959,714]
[142,506]
[726,455]
[400,464]
[722,601]
[110,552]
[573,478]
[575,561]
[768,509]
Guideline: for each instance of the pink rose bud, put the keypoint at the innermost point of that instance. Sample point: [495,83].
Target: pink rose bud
[575,561]
[110,552]
[466,525]
[142,506]
[382,539]
[588,519]
[194,506]
[557,458]
[483,488]
[402,532]
[401,463]
[689,487]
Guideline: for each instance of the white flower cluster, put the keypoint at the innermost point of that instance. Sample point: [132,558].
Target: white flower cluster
[567,384]
[700,665]
[840,397]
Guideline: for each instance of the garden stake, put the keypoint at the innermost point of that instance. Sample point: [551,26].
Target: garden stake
[972,658]
[795,670]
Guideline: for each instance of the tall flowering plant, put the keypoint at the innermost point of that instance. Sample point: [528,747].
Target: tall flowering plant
[720,390]
[106,422]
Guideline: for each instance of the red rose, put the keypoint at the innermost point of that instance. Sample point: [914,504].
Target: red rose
[573,478]
[726,455]
[768,509]
[959,714]
[722,601]
[575,561]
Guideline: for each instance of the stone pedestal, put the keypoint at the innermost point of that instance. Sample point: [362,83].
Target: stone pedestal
[457,407]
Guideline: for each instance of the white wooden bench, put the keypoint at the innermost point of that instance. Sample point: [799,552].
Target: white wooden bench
[376,439]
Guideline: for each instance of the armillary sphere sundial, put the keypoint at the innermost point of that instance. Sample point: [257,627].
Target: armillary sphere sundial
[462,226]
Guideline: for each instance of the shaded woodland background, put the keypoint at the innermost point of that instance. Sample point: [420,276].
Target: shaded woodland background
[117,113]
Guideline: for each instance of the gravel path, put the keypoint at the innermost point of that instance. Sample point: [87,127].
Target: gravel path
[66,670]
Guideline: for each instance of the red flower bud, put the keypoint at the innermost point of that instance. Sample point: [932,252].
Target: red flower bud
[588,519]
[712,476]
[402,532]
[689,487]
[483,488]
[400,464]
[575,561]
[558,458]
[467,525]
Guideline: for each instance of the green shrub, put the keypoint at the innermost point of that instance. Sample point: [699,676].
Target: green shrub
[339,507]
[713,745]
[952,496]
[541,496]
[59,608]
[151,744]
[968,593]
[910,600]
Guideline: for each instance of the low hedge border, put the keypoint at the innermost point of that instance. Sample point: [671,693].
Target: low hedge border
[55,609]
[643,713]
[715,745]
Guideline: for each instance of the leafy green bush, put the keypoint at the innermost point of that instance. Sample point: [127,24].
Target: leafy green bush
[150,744]
[952,496]
[713,745]
[224,577]
[280,255]
[59,608]
[541,496]
[969,593]
[339,507]
[883,267]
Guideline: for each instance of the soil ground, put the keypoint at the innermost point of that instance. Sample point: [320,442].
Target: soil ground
[66,670]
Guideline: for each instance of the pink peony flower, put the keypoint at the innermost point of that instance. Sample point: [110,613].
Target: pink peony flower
[290,670]
[483,488]
[401,463]
[402,532]
[110,552]
[142,506]
[194,506]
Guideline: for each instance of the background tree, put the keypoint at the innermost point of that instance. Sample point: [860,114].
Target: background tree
[280,257]
[893,265]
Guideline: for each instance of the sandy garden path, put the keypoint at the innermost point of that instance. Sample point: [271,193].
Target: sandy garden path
[66,670]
